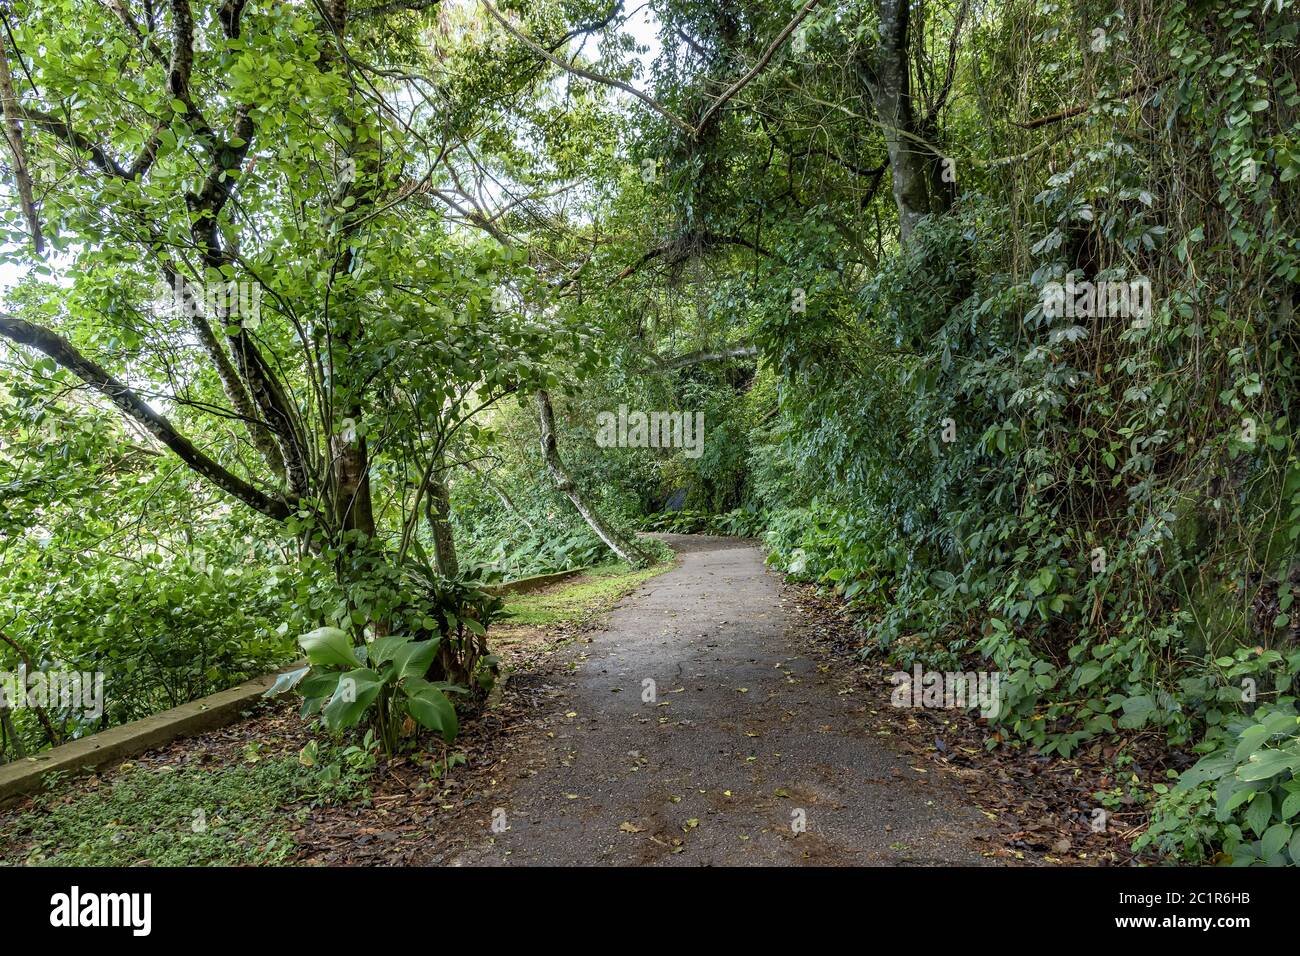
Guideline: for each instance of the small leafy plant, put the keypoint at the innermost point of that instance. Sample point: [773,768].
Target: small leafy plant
[384,682]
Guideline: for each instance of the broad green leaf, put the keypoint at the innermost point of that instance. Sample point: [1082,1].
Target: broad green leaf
[319,683]
[1274,839]
[1259,813]
[1268,763]
[382,649]
[1251,739]
[1210,767]
[1136,711]
[414,658]
[356,691]
[286,682]
[431,708]
[1291,805]
[328,645]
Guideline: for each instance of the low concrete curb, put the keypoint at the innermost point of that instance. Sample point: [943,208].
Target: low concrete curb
[524,585]
[117,743]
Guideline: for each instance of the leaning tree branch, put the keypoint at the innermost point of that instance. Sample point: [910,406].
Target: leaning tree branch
[52,124]
[588,74]
[131,404]
[708,355]
[1078,108]
[51,734]
[627,550]
[758,67]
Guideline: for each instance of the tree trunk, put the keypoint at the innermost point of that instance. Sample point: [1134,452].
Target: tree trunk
[438,512]
[10,733]
[886,71]
[625,549]
[352,506]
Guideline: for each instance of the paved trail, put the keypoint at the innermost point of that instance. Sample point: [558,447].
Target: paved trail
[746,736]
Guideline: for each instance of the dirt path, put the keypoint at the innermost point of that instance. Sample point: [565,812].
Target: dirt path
[745,738]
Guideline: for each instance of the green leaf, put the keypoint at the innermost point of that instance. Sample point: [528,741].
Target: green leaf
[1266,764]
[328,645]
[319,684]
[1136,711]
[1250,740]
[356,691]
[1210,767]
[1260,812]
[382,649]
[414,658]
[1280,723]
[430,708]
[1291,805]
[1088,673]
[1275,837]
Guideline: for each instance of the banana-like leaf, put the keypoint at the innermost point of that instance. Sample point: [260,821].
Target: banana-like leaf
[413,659]
[430,708]
[382,649]
[356,691]
[286,682]
[329,645]
[319,683]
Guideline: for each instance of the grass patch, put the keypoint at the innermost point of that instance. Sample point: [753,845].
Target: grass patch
[226,815]
[578,600]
